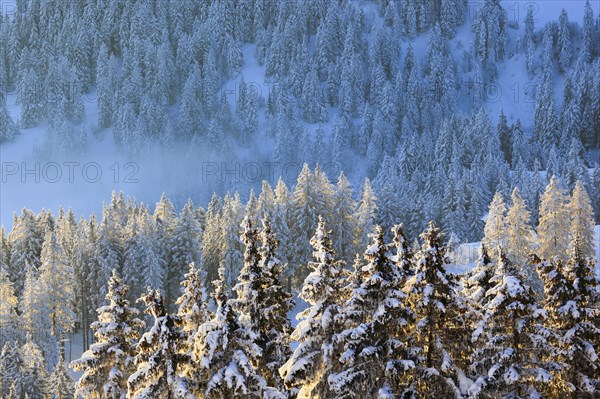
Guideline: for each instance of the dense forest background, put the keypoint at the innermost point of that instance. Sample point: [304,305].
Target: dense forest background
[409,94]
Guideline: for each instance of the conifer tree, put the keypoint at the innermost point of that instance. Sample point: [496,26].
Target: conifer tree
[346,223]
[109,247]
[262,303]
[365,214]
[105,87]
[374,357]
[56,281]
[546,129]
[511,338]
[496,229]
[142,264]
[8,128]
[33,375]
[110,360]
[223,349]
[35,315]
[60,384]
[8,310]
[25,249]
[553,227]
[190,109]
[477,282]
[186,249]
[313,197]
[275,328]
[191,314]
[582,221]
[503,133]
[571,315]
[281,227]
[313,102]
[520,241]
[565,50]
[159,246]
[231,245]
[517,143]
[4,251]
[157,357]
[587,50]
[212,239]
[440,315]
[10,367]
[307,368]
[490,35]
[404,257]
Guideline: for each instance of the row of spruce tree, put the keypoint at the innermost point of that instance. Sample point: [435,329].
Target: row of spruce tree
[397,324]
[152,248]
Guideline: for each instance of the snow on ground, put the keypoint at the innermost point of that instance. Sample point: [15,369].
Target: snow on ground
[73,351]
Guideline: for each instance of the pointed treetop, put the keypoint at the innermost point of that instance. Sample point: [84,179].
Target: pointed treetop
[220,289]
[404,253]
[432,236]
[154,301]
[505,266]
[321,242]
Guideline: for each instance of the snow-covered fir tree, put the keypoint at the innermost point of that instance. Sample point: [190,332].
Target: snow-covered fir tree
[570,317]
[231,246]
[211,240]
[142,264]
[346,221]
[223,349]
[33,375]
[477,282]
[35,315]
[109,362]
[529,44]
[186,247]
[565,46]
[157,357]
[520,241]
[372,357]
[60,384]
[10,367]
[309,366]
[495,230]
[366,215]
[276,304]
[313,197]
[8,127]
[506,361]
[9,320]
[56,282]
[581,229]
[439,329]
[192,313]
[26,248]
[553,227]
